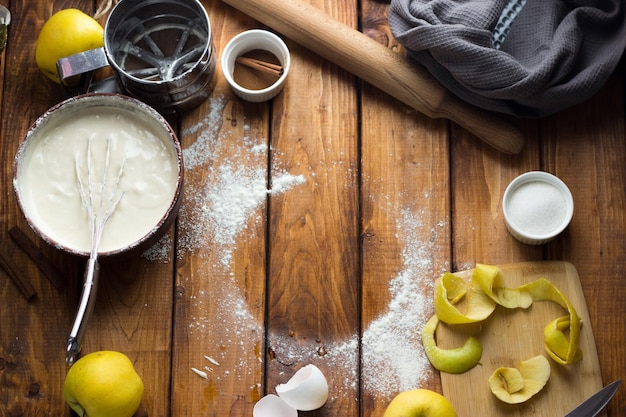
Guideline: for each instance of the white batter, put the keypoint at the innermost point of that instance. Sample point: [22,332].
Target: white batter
[49,186]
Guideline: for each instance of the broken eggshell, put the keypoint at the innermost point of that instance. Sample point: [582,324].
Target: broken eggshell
[307,390]
[272,405]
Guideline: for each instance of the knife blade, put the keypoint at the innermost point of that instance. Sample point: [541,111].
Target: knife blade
[593,405]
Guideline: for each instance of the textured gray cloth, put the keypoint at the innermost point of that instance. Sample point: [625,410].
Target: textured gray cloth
[556,53]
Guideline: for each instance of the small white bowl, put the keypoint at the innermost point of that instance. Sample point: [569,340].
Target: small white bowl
[249,41]
[537,207]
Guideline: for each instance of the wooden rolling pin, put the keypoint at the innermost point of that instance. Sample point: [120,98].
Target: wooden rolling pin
[380,66]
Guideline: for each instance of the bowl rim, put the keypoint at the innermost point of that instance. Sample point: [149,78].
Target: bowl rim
[120,7]
[113,100]
[546,178]
[264,39]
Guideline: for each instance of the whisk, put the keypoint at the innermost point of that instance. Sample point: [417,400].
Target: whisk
[100,202]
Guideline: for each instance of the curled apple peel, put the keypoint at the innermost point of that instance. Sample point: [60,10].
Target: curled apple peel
[516,385]
[487,290]
[453,361]
[449,290]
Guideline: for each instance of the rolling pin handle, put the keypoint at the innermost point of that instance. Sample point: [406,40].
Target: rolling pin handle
[495,129]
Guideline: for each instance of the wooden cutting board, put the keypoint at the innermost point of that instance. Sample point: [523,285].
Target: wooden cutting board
[511,336]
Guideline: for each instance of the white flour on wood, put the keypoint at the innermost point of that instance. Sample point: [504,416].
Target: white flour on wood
[390,350]
[219,211]
[393,358]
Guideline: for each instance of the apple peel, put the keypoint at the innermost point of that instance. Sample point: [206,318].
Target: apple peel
[487,290]
[453,361]
[449,290]
[514,386]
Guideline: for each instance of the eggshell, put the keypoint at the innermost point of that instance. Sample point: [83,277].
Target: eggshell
[307,390]
[273,406]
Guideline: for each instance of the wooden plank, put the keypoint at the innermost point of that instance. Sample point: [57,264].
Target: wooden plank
[313,260]
[133,310]
[510,336]
[220,283]
[133,315]
[479,178]
[592,135]
[405,233]
[32,335]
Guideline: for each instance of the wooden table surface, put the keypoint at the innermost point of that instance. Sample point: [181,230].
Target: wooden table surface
[311,231]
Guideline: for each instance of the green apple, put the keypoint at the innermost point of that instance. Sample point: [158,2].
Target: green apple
[103,384]
[419,402]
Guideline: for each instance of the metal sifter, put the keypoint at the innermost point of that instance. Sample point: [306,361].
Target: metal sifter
[162,52]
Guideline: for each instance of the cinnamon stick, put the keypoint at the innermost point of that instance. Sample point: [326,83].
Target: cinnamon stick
[20,281]
[260,65]
[49,270]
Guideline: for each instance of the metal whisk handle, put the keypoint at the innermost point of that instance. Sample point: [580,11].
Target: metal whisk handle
[85,308]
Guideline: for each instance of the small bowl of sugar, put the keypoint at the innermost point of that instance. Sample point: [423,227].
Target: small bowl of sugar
[537,207]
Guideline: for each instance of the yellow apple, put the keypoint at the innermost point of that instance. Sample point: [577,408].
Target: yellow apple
[67,32]
[103,384]
[419,402]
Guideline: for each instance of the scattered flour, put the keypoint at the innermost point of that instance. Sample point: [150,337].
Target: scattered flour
[393,359]
[390,351]
[237,327]
[220,209]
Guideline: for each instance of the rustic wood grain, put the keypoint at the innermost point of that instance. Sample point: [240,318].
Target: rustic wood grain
[586,147]
[32,335]
[311,268]
[405,204]
[313,261]
[479,178]
[219,307]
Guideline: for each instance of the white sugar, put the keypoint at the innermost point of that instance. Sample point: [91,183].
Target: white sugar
[537,208]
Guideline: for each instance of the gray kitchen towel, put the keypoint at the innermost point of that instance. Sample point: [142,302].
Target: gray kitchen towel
[528,58]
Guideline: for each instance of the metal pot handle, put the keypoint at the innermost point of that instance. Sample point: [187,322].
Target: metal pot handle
[85,308]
